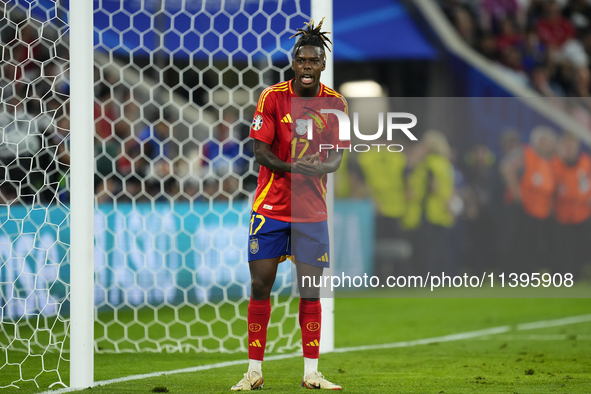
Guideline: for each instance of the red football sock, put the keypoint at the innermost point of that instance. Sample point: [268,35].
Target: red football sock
[310,320]
[258,316]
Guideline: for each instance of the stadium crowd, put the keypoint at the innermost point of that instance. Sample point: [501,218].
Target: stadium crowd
[526,211]
[141,160]
[138,154]
[543,44]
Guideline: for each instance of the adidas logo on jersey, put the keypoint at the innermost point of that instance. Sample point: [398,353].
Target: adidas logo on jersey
[313,343]
[255,343]
[286,119]
[324,257]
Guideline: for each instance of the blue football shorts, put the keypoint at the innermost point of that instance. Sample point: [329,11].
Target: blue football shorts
[270,238]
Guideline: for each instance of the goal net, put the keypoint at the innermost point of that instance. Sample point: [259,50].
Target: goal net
[176,85]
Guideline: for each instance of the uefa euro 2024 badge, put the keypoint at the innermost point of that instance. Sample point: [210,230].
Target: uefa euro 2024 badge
[257,122]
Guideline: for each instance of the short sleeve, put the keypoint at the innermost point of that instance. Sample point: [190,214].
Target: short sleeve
[263,124]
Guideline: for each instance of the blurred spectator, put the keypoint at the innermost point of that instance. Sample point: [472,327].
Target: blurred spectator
[540,80]
[581,90]
[130,160]
[133,162]
[190,164]
[224,153]
[343,177]
[586,42]
[581,83]
[190,191]
[509,36]
[104,113]
[384,175]
[534,53]
[487,46]
[28,52]
[480,209]
[133,191]
[211,190]
[504,206]
[21,131]
[573,52]
[172,190]
[572,173]
[553,29]
[106,146]
[553,55]
[153,141]
[536,10]
[494,12]
[105,189]
[416,182]
[457,207]
[152,151]
[578,12]
[232,190]
[530,182]
[349,180]
[512,63]
[106,152]
[440,189]
[464,22]
[58,155]
[8,193]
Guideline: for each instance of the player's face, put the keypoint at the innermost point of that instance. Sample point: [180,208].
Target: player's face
[308,64]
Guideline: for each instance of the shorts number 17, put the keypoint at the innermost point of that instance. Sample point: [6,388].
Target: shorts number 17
[252,218]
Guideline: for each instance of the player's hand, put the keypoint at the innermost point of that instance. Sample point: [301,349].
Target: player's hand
[308,165]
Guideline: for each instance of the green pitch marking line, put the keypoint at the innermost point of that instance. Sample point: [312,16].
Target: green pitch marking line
[445,338]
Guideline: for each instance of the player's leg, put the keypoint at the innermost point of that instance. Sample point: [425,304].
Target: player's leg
[268,241]
[310,314]
[310,246]
[262,273]
[262,277]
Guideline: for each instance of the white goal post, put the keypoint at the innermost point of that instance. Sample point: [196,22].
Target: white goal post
[82,195]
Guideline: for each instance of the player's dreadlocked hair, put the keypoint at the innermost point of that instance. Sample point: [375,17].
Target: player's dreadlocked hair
[311,36]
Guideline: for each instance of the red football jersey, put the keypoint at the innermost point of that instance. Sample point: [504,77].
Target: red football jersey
[281,120]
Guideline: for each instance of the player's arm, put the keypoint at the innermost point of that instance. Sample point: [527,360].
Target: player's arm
[264,156]
[312,165]
[263,132]
[307,165]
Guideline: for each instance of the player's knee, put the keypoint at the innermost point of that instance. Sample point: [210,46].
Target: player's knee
[259,285]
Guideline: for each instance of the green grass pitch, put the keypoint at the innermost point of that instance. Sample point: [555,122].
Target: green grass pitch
[542,360]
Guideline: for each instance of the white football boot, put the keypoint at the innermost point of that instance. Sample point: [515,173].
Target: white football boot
[315,380]
[252,380]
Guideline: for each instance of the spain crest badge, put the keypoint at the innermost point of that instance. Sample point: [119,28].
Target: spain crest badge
[254,245]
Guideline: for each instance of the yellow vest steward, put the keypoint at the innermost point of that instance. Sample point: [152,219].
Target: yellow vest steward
[384,174]
[416,187]
[437,201]
[342,182]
